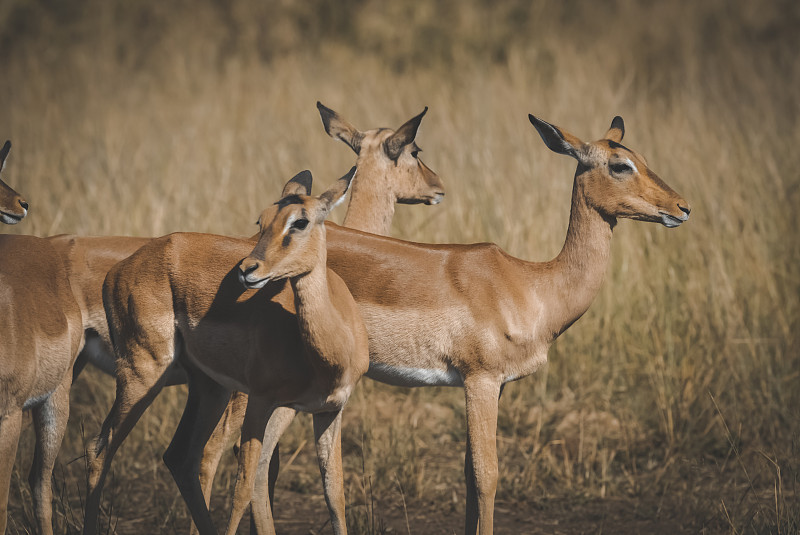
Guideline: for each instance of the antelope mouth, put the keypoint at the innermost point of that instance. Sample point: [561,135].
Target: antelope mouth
[252,283]
[435,199]
[12,219]
[670,221]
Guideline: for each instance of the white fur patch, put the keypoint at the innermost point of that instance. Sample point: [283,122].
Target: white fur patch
[402,376]
[35,401]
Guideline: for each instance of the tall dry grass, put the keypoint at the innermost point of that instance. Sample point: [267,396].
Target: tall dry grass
[680,386]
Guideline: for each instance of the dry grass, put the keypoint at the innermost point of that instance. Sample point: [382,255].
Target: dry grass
[679,386]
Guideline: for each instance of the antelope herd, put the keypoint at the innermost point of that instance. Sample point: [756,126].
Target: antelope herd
[290,319]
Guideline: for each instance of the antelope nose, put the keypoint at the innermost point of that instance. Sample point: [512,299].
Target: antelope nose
[685,209]
[23,204]
[245,268]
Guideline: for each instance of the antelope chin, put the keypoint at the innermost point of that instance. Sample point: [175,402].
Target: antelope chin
[252,284]
[670,221]
[436,199]
[12,219]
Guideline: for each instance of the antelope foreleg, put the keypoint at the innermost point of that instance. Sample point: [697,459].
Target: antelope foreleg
[328,435]
[261,502]
[481,404]
[10,424]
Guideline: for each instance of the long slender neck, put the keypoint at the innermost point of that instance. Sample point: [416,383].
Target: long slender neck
[371,208]
[312,300]
[577,273]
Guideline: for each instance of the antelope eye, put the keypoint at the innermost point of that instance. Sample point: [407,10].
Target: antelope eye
[620,168]
[299,224]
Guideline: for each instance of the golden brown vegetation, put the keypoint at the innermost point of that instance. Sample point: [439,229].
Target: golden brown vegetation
[679,390]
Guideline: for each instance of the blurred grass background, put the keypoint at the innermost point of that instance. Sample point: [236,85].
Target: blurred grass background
[679,390]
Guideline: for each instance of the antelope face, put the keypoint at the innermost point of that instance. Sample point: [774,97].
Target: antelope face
[285,247]
[389,158]
[407,178]
[13,208]
[616,180]
[292,238]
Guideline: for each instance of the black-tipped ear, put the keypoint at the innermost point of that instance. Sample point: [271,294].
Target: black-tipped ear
[300,184]
[338,128]
[335,194]
[403,136]
[554,138]
[4,153]
[617,130]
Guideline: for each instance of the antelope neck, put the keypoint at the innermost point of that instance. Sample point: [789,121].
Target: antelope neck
[369,210]
[575,276]
[312,301]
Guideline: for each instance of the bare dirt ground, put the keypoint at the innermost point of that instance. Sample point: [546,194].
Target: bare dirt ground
[563,518]
[303,515]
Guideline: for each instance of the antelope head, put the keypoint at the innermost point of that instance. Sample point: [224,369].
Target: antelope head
[13,208]
[614,179]
[388,157]
[292,236]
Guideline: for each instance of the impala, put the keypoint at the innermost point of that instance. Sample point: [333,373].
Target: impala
[294,338]
[335,348]
[40,335]
[473,316]
[12,206]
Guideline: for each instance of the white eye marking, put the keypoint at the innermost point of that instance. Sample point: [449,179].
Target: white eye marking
[288,225]
[622,167]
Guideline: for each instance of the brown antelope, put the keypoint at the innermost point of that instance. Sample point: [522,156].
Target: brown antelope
[459,315]
[294,338]
[389,172]
[12,206]
[40,335]
[473,316]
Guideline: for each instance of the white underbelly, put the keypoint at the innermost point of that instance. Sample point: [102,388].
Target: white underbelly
[406,376]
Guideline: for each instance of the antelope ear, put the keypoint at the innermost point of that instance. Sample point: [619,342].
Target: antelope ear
[300,184]
[335,194]
[556,139]
[403,136]
[4,154]
[338,128]
[617,130]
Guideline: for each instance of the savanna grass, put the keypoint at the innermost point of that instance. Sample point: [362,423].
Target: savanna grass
[681,381]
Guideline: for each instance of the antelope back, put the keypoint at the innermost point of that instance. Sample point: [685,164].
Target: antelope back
[292,238]
[13,208]
[388,159]
[614,179]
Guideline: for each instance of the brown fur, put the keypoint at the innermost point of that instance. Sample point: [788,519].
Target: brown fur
[41,335]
